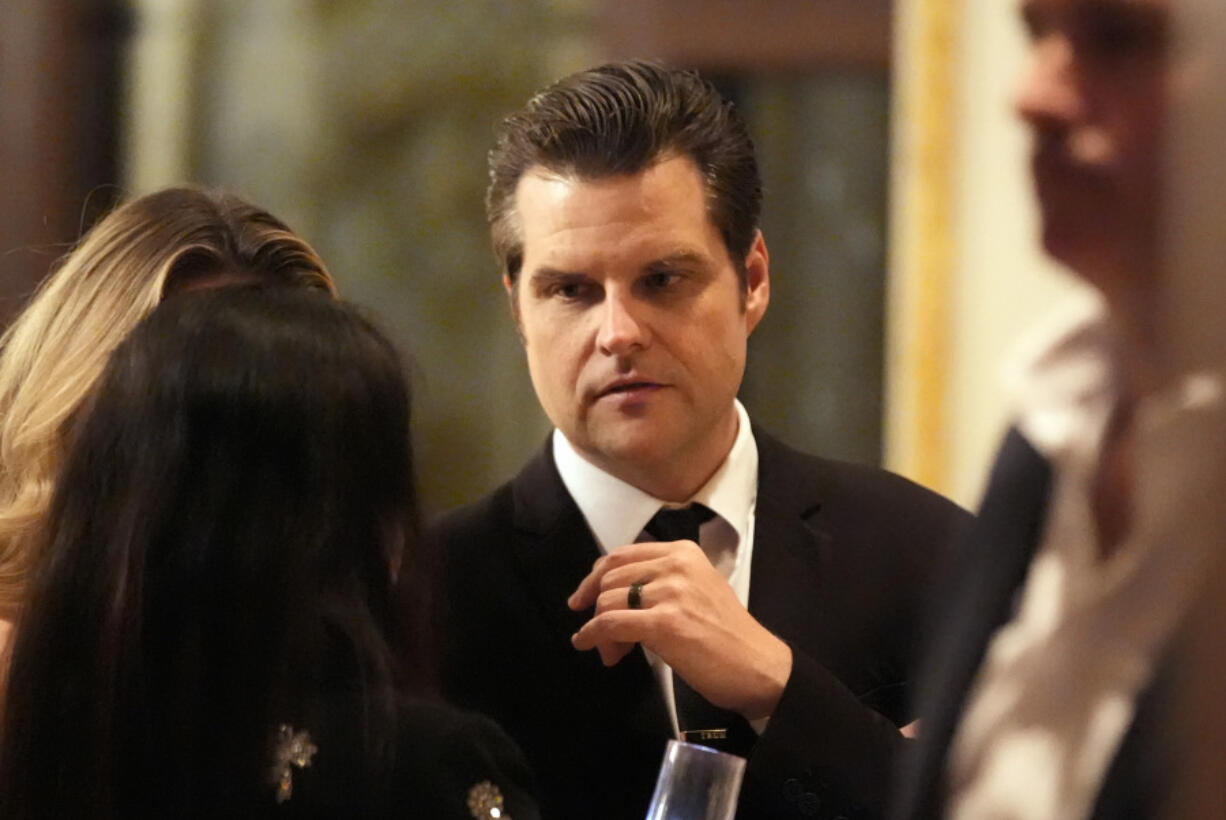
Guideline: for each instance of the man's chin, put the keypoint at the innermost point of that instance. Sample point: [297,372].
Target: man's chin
[1074,243]
[1058,245]
[633,450]
[1098,260]
[628,447]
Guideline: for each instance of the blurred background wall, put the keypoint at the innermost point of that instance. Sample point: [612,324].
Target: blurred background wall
[365,123]
[967,276]
[60,84]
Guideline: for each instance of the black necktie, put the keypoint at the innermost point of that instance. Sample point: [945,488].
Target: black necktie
[700,721]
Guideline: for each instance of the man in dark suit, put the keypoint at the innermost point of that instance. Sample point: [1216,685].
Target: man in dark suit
[1052,662]
[736,592]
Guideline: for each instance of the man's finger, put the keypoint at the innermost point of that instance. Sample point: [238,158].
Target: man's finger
[619,598]
[612,653]
[629,626]
[640,572]
[585,594]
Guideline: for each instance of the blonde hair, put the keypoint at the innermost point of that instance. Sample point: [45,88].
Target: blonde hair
[54,352]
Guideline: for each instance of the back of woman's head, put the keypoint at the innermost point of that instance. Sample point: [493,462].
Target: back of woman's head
[219,561]
[175,239]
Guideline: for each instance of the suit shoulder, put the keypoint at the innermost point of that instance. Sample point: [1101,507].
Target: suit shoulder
[884,485]
[477,520]
[850,490]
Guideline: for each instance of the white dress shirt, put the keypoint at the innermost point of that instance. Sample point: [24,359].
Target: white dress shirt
[617,512]
[1059,682]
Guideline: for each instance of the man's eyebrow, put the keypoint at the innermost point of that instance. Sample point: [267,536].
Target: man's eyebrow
[543,278]
[1029,16]
[553,274]
[678,259]
[1133,10]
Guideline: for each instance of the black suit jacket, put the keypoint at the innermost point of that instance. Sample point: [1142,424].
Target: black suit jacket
[841,557]
[978,595]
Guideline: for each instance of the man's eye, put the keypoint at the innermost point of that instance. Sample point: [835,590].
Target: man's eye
[567,291]
[1034,24]
[661,280]
[1118,36]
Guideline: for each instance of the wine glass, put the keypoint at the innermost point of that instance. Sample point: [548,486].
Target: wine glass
[696,783]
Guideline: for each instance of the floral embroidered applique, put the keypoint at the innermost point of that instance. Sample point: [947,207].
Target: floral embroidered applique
[485,802]
[293,749]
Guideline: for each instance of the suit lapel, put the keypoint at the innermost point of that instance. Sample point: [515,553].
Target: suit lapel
[552,542]
[992,562]
[788,554]
[988,568]
[555,550]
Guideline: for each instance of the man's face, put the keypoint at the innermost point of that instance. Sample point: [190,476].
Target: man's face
[1093,96]
[634,319]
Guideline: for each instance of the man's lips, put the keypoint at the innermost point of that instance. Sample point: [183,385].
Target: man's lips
[1059,164]
[627,387]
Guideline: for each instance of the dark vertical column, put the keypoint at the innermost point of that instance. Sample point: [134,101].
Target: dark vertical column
[59,91]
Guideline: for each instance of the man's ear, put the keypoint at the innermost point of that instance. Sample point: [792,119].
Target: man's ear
[757,282]
[512,289]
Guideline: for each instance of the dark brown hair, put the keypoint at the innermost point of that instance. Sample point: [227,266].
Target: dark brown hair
[620,118]
[218,561]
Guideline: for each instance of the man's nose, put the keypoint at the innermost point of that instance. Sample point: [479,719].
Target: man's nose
[1049,94]
[622,330]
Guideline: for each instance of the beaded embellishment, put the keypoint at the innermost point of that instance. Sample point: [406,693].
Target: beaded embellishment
[485,802]
[293,749]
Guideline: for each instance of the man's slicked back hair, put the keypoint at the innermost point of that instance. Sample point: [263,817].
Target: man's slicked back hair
[619,119]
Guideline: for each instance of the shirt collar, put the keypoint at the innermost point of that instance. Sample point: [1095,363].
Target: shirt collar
[1065,382]
[1064,377]
[617,512]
